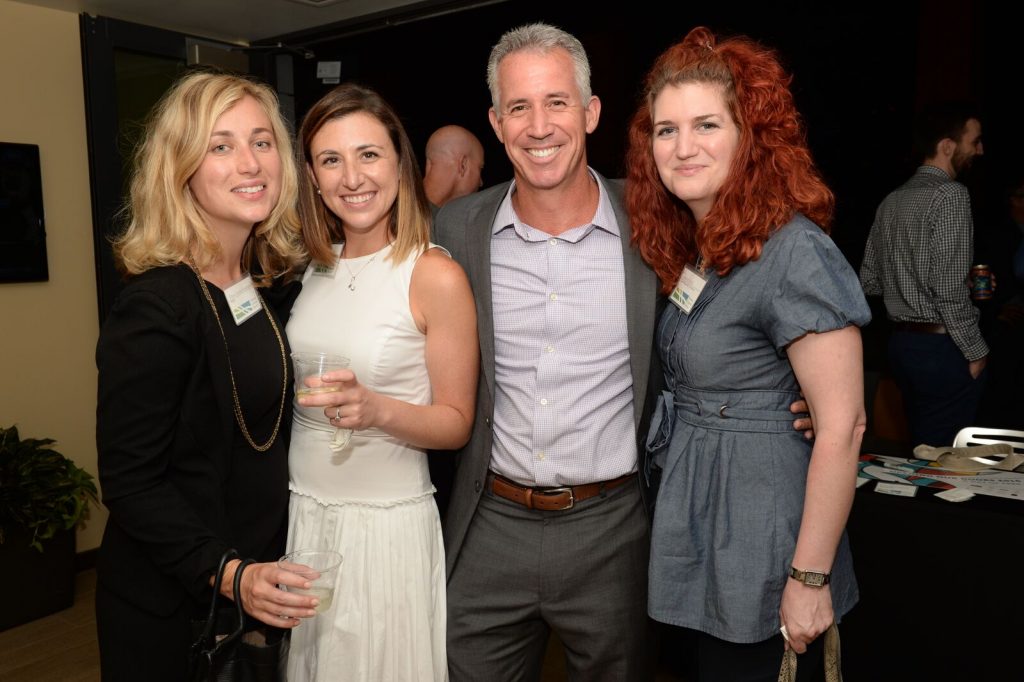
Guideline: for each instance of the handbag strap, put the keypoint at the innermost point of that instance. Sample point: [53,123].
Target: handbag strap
[211,617]
[236,590]
[833,660]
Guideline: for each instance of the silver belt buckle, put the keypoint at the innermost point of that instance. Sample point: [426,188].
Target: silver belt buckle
[555,491]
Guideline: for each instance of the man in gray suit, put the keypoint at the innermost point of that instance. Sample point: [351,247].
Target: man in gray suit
[546,527]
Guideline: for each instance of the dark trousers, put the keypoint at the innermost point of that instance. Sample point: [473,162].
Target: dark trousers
[940,396]
[721,661]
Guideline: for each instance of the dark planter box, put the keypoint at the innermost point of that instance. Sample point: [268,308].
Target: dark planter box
[34,584]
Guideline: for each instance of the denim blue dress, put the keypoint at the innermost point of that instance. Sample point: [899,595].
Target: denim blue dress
[732,469]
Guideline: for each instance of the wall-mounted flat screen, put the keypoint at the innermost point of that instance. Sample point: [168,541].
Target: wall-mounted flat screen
[22,228]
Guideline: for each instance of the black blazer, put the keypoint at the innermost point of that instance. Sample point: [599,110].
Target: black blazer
[165,428]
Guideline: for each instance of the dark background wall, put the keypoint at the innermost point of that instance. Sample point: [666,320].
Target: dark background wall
[860,72]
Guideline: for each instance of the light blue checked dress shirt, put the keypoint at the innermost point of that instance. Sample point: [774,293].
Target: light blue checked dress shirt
[563,404]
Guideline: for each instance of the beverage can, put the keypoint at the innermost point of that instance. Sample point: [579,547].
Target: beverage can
[981,283]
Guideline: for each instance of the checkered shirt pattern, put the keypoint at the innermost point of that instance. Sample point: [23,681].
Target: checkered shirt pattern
[918,257]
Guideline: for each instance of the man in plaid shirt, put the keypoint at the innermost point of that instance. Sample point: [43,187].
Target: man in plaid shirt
[918,257]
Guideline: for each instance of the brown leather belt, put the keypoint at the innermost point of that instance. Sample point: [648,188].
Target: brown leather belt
[920,327]
[550,499]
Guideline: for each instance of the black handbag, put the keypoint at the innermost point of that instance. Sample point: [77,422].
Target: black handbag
[224,651]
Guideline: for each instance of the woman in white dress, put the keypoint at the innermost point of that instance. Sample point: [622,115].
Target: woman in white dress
[378,293]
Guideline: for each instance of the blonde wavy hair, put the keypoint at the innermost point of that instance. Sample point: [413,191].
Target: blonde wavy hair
[409,220]
[164,223]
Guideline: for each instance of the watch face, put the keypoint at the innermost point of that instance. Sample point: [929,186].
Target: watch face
[810,578]
[814,579]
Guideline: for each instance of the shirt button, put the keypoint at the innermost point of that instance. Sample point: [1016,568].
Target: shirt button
[543,401]
[541,456]
[554,297]
[552,241]
[549,349]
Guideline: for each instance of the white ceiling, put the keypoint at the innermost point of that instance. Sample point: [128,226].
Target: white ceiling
[235,21]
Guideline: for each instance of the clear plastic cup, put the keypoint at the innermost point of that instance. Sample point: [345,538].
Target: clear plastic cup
[319,567]
[309,367]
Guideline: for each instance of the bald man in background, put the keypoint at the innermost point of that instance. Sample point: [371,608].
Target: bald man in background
[455,159]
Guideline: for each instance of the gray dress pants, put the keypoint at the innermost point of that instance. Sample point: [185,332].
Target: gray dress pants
[581,572]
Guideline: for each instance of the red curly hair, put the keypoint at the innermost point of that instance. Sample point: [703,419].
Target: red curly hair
[772,174]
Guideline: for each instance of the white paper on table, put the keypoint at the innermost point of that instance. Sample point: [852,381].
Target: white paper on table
[1006,484]
[900,489]
[995,483]
[955,495]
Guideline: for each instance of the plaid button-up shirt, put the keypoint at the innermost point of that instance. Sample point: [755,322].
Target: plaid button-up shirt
[918,257]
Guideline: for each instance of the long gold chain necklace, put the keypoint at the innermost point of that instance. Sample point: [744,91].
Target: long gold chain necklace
[239,417]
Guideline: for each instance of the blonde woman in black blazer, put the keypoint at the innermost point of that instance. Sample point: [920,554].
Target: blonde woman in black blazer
[194,399]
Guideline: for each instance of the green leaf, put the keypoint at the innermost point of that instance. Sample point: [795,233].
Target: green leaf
[41,490]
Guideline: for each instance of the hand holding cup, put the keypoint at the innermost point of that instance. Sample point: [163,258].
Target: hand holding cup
[310,367]
[309,371]
[319,568]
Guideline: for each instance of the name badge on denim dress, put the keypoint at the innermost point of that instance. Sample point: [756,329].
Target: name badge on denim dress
[691,283]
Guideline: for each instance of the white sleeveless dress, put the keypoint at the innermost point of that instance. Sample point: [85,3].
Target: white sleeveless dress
[373,500]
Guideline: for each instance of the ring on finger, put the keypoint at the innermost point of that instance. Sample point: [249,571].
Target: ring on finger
[785,635]
[337,413]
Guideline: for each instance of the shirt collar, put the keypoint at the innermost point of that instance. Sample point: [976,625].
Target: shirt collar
[933,170]
[604,217]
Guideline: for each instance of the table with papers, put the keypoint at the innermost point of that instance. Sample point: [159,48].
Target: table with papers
[939,595]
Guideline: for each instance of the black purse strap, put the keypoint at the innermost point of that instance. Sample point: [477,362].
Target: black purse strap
[201,645]
[236,590]
[205,647]
[211,617]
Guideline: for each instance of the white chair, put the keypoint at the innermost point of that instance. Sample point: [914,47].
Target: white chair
[982,435]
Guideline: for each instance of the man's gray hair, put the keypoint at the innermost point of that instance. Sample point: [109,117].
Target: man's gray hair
[540,38]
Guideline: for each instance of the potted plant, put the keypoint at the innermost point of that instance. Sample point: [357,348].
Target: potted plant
[43,497]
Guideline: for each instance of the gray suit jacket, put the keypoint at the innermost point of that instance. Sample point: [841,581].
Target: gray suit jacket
[464,228]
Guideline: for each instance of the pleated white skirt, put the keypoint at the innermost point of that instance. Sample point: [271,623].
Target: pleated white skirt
[387,620]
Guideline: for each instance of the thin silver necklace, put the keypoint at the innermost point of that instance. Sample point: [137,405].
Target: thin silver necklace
[352,278]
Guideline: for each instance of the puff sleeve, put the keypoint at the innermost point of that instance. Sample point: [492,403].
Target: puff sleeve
[812,287]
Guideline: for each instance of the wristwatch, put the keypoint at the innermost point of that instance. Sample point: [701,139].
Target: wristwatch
[810,578]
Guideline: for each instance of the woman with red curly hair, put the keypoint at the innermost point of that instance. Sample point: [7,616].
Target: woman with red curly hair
[728,209]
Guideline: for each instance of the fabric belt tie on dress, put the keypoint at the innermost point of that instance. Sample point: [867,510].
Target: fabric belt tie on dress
[550,499]
[920,327]
[740,410]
